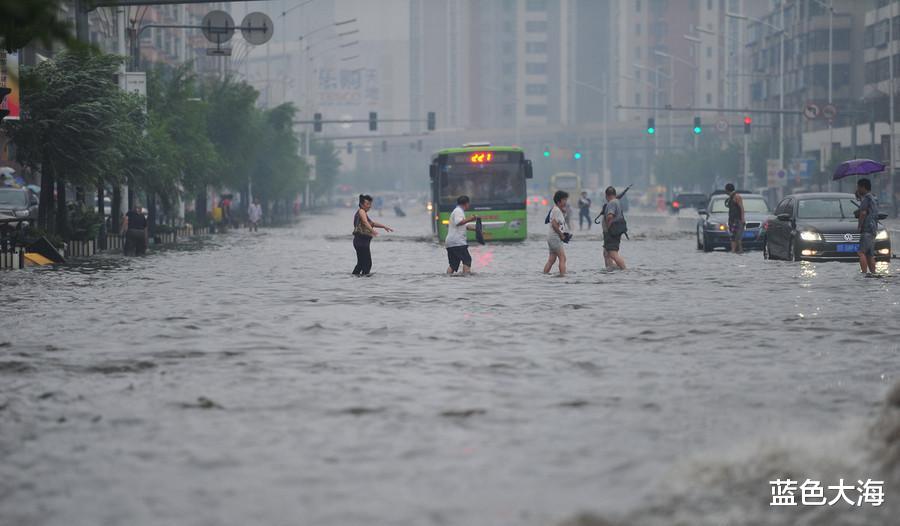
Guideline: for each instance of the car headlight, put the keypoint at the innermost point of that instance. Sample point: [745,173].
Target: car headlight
[20,213]
[716,226]
[810,236]
[881,235]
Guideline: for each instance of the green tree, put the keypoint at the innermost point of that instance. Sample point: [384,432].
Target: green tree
[327,166]
[74,121]
[22,21]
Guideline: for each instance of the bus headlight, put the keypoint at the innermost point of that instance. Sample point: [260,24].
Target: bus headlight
[808,235]
[429,206]
[881,235]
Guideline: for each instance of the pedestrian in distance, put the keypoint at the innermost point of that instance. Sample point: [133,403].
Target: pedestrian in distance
[736,222]
[135,228]
[558,233]
[614,228]
[363,232]
[868,225]
[584,211]
[254,214]
[456,243]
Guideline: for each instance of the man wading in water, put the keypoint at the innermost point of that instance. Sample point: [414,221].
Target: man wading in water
[735,204]
[363,232]
[456,243]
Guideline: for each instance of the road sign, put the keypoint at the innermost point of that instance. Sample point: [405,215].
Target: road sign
[257,28]
[811,111]
[218,26]
[829,111]
[721,126]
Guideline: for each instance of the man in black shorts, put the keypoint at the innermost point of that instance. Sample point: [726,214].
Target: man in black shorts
[456,242]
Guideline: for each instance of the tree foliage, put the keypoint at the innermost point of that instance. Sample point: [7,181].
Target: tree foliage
[22,21]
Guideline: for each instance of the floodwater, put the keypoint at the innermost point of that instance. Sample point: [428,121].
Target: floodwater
[250,380]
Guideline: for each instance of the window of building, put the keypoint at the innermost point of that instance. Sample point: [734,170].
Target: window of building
[709,5]
[536,26]
[637,53]
[709,74]
[536,68]
[637,29]
[536,5]
[708,51]
[536,110]
[535,47]
[709,98]
[637,6]
[508,26]
[637,98]
[508,68]
[508,48]
[535,89]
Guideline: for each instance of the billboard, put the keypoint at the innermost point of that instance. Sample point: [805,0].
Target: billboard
[9,78]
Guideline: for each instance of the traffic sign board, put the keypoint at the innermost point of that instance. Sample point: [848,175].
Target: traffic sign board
[722,125]
[811,111]
[257,28]
[829,111]
[218,26]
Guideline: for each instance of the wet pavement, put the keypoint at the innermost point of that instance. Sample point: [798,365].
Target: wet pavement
[249,379]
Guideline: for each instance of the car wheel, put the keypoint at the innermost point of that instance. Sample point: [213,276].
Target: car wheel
[706,246]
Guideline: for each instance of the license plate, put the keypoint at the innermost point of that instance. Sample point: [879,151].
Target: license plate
[749,235]
[848,247]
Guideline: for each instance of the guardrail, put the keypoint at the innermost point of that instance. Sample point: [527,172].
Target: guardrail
[12,257]
[80,249]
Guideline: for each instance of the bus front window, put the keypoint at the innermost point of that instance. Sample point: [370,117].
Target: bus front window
[484,184]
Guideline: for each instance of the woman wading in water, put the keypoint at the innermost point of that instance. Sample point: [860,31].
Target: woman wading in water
[363,232]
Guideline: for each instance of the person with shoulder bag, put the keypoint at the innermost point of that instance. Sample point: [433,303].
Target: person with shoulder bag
[615,227]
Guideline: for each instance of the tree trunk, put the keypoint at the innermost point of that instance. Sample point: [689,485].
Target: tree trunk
[115,213]
[62,210]
[45,207]
[151,213]
[200,208]
[101,241]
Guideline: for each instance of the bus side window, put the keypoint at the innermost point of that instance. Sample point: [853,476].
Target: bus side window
[529,171]
[433,171]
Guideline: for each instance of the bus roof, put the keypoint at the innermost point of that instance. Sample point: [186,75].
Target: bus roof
[468,149]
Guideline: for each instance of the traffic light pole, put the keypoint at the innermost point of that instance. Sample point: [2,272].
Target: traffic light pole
[746,161]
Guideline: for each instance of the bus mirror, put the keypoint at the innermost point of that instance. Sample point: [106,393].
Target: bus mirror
[433,171]
[529,171]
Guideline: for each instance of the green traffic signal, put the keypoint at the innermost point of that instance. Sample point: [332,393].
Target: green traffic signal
[577,155]
[651,125]
[697,127]
[546,153]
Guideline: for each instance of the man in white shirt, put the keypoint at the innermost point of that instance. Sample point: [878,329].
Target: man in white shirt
[558,233]
[255,215]
[456,243]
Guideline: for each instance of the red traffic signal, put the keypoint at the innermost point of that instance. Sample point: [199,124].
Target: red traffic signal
[748,120]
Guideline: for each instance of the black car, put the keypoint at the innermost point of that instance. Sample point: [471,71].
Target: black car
[18,202]
[712,227]
[818,227]
[682,201]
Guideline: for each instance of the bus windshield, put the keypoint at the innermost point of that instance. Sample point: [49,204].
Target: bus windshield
[494,183]
[566,182]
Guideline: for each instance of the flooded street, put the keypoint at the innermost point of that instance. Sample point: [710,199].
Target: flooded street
[249,379]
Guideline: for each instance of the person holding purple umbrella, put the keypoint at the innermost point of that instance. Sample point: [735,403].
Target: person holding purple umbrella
[868,225]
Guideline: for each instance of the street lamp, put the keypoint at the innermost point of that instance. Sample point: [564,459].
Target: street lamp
[783,32]
[671,79]
[603,93]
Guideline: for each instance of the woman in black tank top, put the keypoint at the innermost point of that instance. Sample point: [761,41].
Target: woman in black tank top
[363,232]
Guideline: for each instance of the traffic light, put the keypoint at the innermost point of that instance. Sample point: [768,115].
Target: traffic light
[317,122]
[747,122]
[383,146]
[432,121]
[419,145]
[349,148]
[698,128]
[576,155]
[4,91]
[547,151]
[373,121]
[651,126]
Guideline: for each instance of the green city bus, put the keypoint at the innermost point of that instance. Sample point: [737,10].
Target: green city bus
[494,179]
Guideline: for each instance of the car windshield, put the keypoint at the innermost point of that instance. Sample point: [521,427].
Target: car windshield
[751,204]
[826,208]
[13,197]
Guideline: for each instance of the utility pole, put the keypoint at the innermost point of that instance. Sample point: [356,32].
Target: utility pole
[893,154]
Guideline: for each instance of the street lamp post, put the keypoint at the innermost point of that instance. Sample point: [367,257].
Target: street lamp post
[783,31]
[605,138]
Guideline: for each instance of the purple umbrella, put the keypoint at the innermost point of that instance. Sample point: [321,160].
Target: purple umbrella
[857,167]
